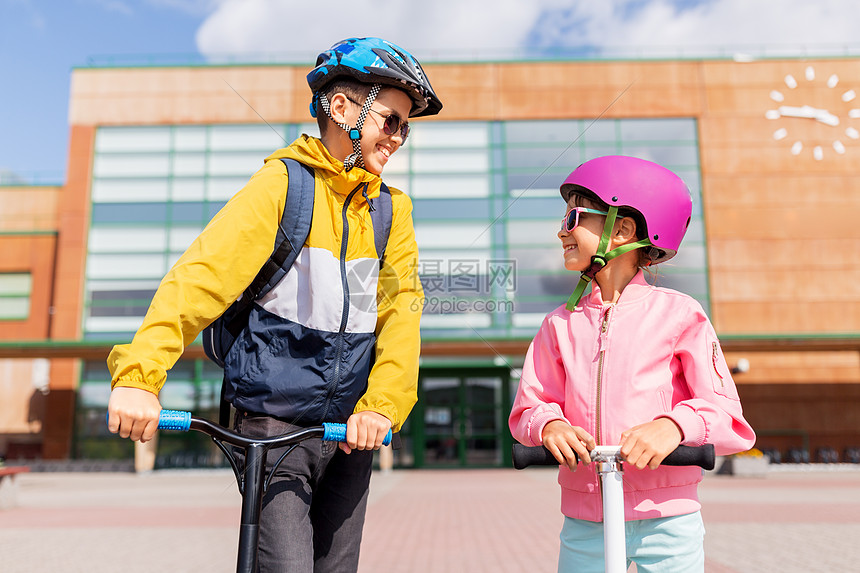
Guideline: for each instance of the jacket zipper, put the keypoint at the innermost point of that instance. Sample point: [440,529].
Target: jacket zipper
[604,326]
[338,355]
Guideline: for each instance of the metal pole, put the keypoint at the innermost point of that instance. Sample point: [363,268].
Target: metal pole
[614,538]
[252,502]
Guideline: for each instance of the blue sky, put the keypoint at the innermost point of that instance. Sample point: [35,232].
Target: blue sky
[38,49]
[41,41]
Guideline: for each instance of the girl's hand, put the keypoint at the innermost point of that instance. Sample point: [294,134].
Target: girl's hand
[566,442]
[648,444]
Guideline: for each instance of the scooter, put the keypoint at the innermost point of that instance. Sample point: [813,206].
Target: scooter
[252,479]
[609,466]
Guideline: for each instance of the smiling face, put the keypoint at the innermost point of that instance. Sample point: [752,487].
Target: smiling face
[376,146]
[580,244]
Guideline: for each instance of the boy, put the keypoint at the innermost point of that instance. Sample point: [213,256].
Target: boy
[314,349]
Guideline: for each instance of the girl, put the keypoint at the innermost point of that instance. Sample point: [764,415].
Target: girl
[631,365]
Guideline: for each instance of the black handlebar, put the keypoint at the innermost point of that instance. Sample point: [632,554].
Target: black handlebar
[702,456]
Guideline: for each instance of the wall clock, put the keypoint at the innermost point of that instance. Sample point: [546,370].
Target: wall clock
[839,114]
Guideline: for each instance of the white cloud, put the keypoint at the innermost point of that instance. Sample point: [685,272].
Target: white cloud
[442,28]
[476,29]
[733,24]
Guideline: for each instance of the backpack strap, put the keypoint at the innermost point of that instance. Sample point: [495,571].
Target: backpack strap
[292,232]
[381,215]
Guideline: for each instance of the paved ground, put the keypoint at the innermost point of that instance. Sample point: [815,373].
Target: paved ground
[418,522]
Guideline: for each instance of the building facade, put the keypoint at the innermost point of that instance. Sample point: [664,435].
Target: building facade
[769,149]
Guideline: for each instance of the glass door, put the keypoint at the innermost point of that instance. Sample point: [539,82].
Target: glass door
[461,418]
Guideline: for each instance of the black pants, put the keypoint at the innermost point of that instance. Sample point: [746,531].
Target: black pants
[313,511]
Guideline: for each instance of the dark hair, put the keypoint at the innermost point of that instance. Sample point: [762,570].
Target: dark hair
[352,89]
[583,197]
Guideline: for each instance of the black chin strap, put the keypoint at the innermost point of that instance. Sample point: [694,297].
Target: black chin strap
[355,158]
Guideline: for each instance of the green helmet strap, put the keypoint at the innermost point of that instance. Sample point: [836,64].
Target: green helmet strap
[601,257]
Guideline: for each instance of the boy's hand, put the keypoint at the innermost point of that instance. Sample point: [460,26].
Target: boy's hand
[133,413]
[365,431]
[566,442]
[648,444]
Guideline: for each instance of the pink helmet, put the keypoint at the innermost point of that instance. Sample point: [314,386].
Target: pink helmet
[658,194]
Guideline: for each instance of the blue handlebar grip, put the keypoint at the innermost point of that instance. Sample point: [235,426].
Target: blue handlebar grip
[174,420]
[337,433]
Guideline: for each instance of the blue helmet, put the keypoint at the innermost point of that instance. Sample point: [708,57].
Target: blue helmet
[375,61]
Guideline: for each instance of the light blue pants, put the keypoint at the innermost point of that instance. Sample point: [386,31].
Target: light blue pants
[661,545]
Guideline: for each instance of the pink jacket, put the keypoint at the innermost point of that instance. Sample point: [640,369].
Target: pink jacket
[609,367]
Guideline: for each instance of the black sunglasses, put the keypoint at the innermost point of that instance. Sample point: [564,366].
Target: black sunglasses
[393,123]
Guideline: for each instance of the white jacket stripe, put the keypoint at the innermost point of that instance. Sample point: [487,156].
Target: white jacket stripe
[311,293]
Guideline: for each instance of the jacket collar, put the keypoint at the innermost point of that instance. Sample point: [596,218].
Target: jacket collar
[637,288]
[311,151]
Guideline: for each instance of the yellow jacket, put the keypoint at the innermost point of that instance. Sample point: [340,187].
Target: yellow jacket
[376,327]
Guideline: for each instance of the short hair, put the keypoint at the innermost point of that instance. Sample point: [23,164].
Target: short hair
[354,90]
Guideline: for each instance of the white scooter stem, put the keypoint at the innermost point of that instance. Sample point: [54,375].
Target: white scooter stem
[608,459]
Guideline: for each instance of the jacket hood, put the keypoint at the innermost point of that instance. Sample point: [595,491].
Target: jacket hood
[311,151]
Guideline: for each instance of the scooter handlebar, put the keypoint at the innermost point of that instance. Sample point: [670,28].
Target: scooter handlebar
[181,421]
[702,456]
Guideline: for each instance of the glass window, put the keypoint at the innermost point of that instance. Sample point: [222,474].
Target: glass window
[118,213]
[537,232]
[127,239]
[482,192]
[400,182]
[528,206]
[606,131]
[460,235]
[311,129]
[187,213]
[189,138]
[680,130]
[465,161]
[15,289]
[132,165]
[188,189]
[670,156]
[398,164]
[185,164]
[242,137]
[129,190]
[222,188]
[448,186]
[182,237]
[539,156]
[535,182]
[233,163]
[112,324]
[446,135]
[460,209]
[125,266]
[118,298]
[542,131]
[134,139]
